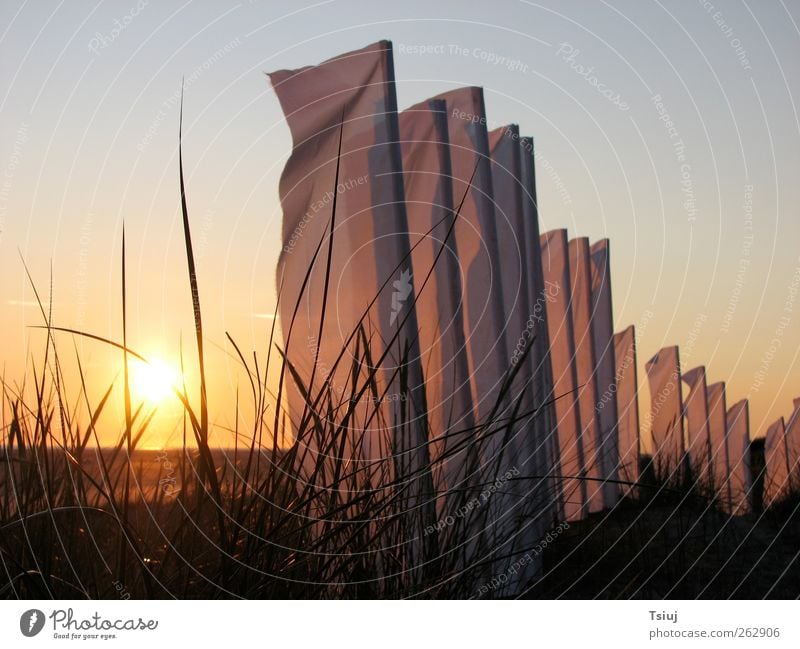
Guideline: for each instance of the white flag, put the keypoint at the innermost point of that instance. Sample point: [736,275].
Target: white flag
[510,227]
[536,330]
[627,383]
[531,498]
[437,284]
[776,463]
[717,429]
[698,439]
[603,335]
[478,251]
[738,442]
[365,279]
[666,412]
[570,485]
[580,270]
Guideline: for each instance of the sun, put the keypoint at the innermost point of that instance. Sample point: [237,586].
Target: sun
[153,381]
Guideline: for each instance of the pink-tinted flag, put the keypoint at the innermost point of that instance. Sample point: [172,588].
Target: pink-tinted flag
[698,439]
[627,383]
[666,412]
[478,251]
[738,442]
[437,283]
[348,267]
[585,365]
[510,228]
[531,499]
[570,486]
[536,325]
[717,430]
[603,336]
[776,464]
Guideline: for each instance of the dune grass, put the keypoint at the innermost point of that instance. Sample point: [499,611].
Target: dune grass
[80,520]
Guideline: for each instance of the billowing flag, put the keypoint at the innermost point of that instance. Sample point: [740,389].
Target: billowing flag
[776,463]
[570,485]
[698,440]
[603,336]
[738,442]
[531,497]
[510,226]
[478,251]
[666,412]
[437,283]
[536,324]
[717,430]
[581,309]
[627,390]
[344,274]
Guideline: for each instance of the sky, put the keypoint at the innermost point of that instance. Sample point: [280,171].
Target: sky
[669,127]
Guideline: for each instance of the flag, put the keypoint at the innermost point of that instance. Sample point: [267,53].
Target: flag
[581,310]
[536,324]
[528,509]
[570,485]
[345,267]
[666,412]
[696,409]
[627,391]
[437,284]
[717,430]
[738,442]
[776,463]
[476,237]
[510,228]
[603,338]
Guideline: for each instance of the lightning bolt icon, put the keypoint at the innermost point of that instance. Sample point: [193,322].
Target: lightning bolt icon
[32,621]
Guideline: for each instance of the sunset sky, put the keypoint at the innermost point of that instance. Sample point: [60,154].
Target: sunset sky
[702,215]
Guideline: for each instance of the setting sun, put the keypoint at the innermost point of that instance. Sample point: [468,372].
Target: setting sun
[152,381]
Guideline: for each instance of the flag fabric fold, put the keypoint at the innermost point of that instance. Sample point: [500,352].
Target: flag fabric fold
[697,433]
[776,463]
[570,484]
[718,433]
[738,443]
[585,366]
[627,392]
[603,338]
[666,412]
